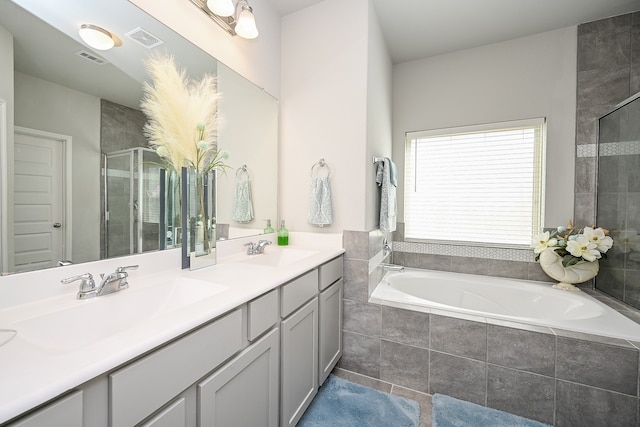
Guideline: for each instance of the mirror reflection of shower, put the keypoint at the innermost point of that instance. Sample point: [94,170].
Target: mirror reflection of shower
[132,196]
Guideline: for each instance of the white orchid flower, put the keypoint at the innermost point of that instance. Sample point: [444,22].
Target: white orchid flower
[582,247]
[597,236]
[541,242]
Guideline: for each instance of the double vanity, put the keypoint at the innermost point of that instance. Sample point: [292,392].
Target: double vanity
[245,342]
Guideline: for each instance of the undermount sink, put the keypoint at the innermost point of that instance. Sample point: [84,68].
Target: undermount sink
[97,319]
[279,256]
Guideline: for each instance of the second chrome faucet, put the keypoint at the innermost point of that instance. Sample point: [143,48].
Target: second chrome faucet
[113,282]
[257,248]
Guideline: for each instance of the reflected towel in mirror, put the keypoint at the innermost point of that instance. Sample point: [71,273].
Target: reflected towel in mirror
[242,206]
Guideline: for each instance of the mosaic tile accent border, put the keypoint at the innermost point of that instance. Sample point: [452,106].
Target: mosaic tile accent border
[586,150]
[525,255]
[609,149]
[619,148]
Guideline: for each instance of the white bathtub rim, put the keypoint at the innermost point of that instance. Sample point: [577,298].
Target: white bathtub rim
[620,327]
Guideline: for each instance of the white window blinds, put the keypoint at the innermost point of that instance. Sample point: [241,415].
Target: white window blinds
[477,184]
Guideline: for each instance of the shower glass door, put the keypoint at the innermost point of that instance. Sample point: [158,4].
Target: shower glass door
[120,204]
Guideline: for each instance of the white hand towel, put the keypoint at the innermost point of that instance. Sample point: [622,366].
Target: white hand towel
[242,206]
[386,179]
[320,210]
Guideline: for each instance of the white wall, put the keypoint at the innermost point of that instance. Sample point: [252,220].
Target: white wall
[323,110]
[379,94]
[523,78]
[257,60]
[53,108]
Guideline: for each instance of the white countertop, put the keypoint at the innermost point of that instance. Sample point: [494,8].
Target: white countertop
[31,374]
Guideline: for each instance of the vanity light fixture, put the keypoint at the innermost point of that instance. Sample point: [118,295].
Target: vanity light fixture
[236,19]
[96,37]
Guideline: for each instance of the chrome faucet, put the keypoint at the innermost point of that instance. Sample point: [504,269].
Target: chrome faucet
[115,281]
[261,245]
[386,249]
[392,267]
[257,248]
[87,285]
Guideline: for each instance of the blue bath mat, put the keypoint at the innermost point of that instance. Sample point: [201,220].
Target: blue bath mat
[450,412]
[340,403]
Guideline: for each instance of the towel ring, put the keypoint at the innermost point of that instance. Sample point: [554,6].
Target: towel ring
[242,170]
[321,164]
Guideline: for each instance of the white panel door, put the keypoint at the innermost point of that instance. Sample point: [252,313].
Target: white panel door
[38,201]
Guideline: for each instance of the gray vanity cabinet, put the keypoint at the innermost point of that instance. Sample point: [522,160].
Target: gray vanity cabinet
[139,389]
[175,415]
[245,391]
[66,411]
[331,286]
[330,329]
[299,343]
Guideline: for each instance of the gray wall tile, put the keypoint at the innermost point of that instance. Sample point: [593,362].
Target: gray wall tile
[458,377]
[356,280]
[513,269]
[362,318]
[523,350]
[360,354]
[405,365]
[579,406]
[585,175]
[599,365]
[405,326]
[356,244]
[459,337]
[528,395]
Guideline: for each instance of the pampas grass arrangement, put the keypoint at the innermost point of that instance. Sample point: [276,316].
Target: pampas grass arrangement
[182,116]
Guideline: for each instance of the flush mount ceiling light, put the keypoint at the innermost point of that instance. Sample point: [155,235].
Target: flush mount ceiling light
[236,19]
[96,37]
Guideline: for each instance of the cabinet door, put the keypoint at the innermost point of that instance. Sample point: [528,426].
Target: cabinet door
[173,416]
[244,392]
[299,362]
[66,411]
[330,329]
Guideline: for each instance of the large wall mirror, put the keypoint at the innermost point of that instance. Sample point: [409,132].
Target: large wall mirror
[78,135]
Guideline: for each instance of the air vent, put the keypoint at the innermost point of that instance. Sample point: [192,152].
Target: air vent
[144,38]
[91,57]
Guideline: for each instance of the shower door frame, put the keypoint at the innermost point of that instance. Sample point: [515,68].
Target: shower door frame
[135,168]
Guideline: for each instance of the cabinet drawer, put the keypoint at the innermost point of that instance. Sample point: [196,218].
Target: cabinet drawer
[263,314]
[298,291]
[140,388]
[330,272]
[66,411]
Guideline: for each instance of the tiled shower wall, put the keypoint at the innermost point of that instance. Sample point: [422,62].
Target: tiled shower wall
[608,73]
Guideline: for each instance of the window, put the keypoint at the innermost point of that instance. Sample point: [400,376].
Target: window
[479,185]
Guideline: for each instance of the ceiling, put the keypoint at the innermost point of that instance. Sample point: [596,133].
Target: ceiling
[415,29]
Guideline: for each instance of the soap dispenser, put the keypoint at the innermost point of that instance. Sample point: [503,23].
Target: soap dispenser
[283,235]
[268,229]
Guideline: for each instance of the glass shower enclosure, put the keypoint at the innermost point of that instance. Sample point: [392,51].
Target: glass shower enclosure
[135,218]
[618,200]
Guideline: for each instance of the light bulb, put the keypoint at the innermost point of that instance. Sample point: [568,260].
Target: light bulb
[96,37]
[246,26]
[221,7]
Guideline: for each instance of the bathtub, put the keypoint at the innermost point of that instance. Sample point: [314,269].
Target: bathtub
[522,301]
